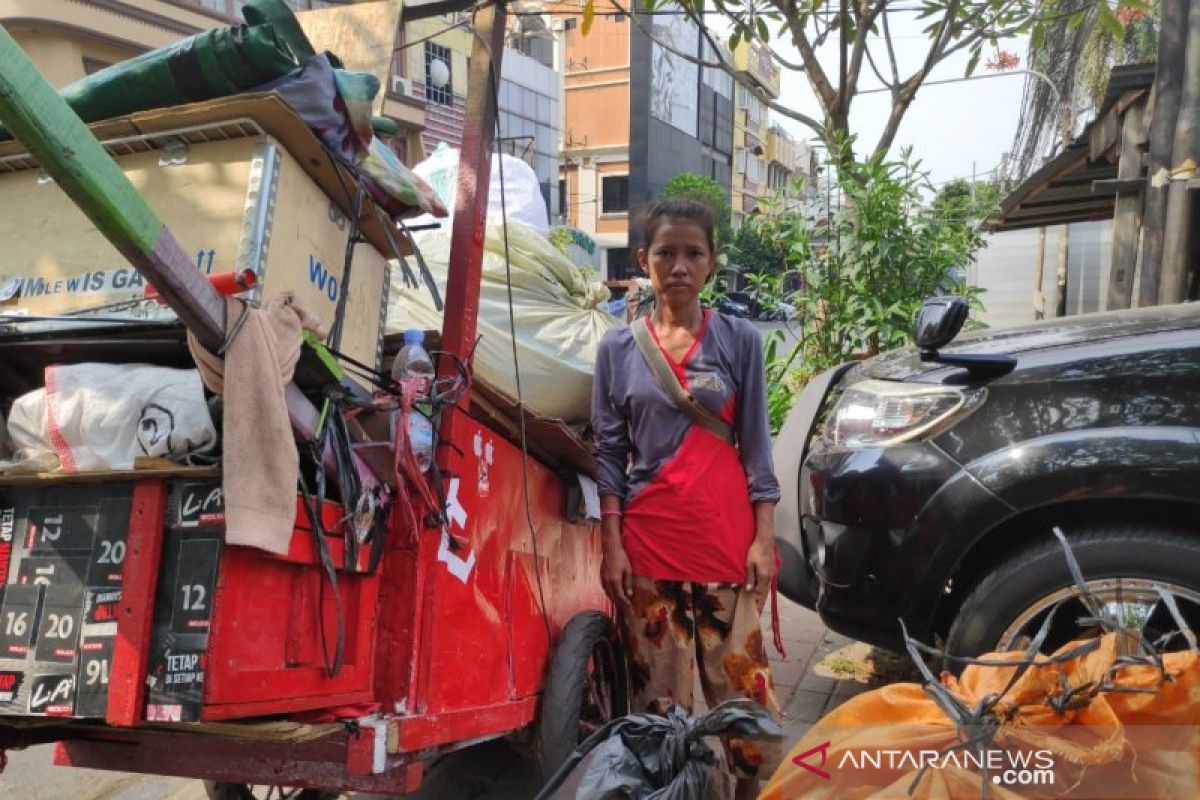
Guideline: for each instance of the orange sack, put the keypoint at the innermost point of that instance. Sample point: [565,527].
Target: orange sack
[1095,725]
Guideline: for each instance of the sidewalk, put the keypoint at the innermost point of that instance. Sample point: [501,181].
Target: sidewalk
[803,695]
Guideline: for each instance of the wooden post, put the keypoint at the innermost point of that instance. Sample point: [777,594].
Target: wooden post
[1039,297]
[1127,216]
[467,237]
[1185,154]
[1168,80]
[1064,235]
[471,200]
[42,121]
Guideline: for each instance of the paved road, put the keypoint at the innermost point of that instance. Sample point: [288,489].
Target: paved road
[789,330]
[491,771]
[31,776]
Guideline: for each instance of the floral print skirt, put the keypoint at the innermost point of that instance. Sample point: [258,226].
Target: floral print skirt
[674,629]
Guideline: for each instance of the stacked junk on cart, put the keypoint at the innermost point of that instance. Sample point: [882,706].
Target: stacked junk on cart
[290,454]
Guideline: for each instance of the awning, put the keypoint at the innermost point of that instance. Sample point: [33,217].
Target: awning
[1064,190]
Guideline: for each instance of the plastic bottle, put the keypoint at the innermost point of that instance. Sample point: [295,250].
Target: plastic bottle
[413,369]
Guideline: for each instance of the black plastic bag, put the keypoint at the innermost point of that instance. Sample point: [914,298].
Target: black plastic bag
[648,757]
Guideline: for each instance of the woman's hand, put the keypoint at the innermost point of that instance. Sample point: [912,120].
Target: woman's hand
[616,574]
[760,566]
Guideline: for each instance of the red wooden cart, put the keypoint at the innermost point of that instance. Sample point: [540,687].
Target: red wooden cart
[479,631]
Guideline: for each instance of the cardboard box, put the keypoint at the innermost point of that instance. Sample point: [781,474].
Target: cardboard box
[233,196]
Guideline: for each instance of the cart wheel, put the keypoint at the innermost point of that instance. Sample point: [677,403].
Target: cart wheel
[586,687]
[241,791]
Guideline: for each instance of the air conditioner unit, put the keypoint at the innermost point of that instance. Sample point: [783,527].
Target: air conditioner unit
[402,86]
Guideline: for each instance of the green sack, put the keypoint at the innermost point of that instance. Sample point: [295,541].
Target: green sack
[211,64]
[277,14]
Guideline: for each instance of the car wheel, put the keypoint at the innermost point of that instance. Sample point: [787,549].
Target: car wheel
[1121,565]
[241,791]
[586,688]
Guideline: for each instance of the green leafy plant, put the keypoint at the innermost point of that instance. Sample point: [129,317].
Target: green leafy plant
[864,277]
[561,239]
[689,186]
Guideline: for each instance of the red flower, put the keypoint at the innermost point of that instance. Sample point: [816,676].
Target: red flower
[1128,15]
[1004,60]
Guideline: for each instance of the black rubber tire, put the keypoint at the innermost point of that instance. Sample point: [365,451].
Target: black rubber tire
[241,791]
[564,692]
[1103,551]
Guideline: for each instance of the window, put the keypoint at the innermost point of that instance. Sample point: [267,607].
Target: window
[617,261]
[93,65]
[570,23]
[618,17]
[562,196]
[443,95]
[614,190]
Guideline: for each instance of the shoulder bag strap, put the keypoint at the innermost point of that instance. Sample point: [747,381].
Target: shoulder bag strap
[670,383]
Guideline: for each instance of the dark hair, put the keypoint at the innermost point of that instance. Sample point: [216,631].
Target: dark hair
[677,210]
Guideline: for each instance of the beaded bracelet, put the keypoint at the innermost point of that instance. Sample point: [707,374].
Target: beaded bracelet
[609,512]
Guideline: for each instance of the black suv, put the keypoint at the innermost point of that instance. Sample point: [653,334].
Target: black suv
[925,484]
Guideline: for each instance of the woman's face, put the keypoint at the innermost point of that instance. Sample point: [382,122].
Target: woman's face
[678,261]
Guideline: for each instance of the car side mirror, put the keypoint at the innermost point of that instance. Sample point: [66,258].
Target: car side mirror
[939,321]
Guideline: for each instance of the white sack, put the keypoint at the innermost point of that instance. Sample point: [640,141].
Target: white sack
[559,319]
[103,416]
[522,193]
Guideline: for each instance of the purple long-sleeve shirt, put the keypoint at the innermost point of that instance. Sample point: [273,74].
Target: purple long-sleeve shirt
[681,486]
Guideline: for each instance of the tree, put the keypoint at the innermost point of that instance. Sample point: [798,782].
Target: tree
[762,245]
[689,186]
[862,283]
[835,40]
[1077,54]
[970,203]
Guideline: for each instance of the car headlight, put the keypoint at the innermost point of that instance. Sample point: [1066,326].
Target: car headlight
[875,413]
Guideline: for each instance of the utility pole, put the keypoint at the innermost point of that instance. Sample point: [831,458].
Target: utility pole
[1039,297]
[1064,236]
[1168,81]
[1185,151]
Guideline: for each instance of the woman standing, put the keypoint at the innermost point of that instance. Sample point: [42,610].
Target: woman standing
[687,497]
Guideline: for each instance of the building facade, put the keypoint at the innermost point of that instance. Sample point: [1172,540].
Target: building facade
[752,129]
[531,93]
[791,169]
[68,39]
[636,116]
[431,76]
[595,173]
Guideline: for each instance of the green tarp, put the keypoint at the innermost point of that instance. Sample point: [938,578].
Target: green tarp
[211,64]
